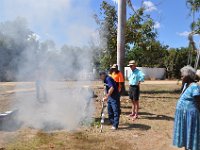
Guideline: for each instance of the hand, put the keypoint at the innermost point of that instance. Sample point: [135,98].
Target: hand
[105,98]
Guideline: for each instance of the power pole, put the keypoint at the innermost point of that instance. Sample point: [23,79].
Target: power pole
[121,34]
[121,39]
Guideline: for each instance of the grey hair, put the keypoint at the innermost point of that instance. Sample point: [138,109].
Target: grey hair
[188,71]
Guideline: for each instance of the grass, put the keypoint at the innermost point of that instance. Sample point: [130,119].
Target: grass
[152,131]
[24,143]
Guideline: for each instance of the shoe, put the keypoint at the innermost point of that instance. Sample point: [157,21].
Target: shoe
[114,128]
[132,115]
[135,117]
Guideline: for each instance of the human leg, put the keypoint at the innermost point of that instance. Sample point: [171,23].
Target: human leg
[136,109]
[119,105]
[110,112]
[37,87]
[136,101]
[133,107]
[132,102]
[115,108]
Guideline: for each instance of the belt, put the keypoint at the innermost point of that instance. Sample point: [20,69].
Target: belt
[134,85]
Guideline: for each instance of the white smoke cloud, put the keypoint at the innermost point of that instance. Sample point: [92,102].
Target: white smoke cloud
[58,18]
[33,36]
[149,6]
[52,102]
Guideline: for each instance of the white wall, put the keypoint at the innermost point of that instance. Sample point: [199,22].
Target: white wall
[150,73]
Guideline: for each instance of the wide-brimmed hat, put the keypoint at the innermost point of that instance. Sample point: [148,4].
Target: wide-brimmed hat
[131,63]
[114,66]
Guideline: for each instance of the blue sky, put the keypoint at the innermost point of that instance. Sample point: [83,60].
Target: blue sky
[70,21]
[172,17]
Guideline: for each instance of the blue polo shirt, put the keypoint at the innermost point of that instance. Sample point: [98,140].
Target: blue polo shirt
[109,82]
[135,77]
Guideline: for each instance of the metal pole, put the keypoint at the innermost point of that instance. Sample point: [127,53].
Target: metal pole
[197,60]
[121,34]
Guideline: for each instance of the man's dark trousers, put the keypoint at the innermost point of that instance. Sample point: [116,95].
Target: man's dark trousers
[113,111]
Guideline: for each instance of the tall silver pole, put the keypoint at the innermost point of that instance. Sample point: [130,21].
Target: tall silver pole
[121,34]
[197,59]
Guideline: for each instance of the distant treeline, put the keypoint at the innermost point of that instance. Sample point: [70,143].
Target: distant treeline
[24,57]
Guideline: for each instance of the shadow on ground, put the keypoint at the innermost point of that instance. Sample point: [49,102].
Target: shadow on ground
[129,126]
[10,125]
[155,117]
[159,97]
[9,122]
[151,116]
[178,91]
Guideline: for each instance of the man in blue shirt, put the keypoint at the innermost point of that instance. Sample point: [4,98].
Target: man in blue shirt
[136,76]
[112,96]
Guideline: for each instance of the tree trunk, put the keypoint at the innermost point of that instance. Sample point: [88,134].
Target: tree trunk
[121,34]
[121,37]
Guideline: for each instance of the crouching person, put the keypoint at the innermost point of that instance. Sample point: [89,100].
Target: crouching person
[112,97]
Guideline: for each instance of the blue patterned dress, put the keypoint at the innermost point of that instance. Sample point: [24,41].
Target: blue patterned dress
[187,120]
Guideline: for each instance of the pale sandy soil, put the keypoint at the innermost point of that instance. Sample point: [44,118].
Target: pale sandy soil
[152,131]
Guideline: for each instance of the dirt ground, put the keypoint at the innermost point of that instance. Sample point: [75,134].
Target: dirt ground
[151,131]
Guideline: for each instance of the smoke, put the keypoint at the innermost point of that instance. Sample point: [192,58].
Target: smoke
[50,102]
[71,20]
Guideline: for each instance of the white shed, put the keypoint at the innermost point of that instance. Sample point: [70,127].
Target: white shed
[150,73]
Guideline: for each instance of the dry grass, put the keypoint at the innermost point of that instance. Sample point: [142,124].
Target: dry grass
[152,131]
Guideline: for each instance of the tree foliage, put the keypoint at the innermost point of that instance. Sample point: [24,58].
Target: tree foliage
[107,22]
[151,57]
[140,34]
[22,55]
[175,59]
[194,7]
[141,41]
[13,40]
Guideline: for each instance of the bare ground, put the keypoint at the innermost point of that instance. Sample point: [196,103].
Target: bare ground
[152,131]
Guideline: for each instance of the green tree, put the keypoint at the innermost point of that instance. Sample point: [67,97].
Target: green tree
[13,42]
[108,34]
[194,6]
[169,62]
[140,29]
[153,56]
[175,59]
[140,34]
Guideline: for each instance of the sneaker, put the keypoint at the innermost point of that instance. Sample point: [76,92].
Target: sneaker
[114,128]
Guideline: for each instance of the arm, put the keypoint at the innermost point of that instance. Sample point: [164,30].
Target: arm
[141,77]
[120,86]
[110,91]
[196,94]
[197,99]
[121,81]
